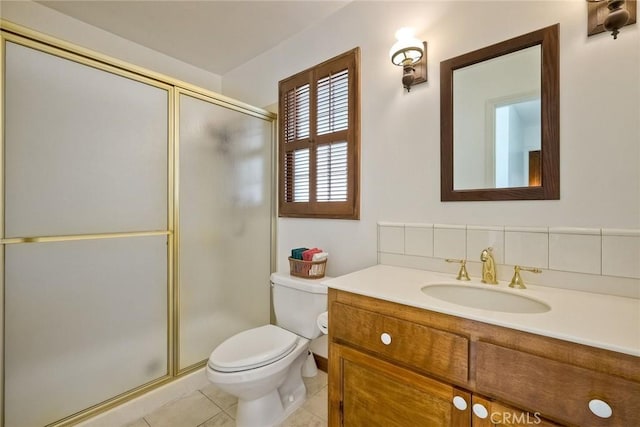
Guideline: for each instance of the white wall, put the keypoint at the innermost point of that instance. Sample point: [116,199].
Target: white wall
[599,119]
[50,22]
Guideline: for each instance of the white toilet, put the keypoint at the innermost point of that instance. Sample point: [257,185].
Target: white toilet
[263,366]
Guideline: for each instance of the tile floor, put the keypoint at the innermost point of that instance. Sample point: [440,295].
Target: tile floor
[211,407]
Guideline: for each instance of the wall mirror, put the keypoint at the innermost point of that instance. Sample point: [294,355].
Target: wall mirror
[499,123]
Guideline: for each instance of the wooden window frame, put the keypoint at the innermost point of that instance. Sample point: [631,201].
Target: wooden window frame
[349,209]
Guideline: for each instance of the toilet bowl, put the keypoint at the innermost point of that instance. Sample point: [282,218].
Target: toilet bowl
[262,366]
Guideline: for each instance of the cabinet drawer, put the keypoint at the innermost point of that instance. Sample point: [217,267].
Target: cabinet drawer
[430,350]
[557,390]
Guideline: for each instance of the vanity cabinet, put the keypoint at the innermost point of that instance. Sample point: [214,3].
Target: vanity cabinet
[397,365]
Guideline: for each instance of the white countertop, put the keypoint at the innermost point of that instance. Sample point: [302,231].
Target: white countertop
[603,321]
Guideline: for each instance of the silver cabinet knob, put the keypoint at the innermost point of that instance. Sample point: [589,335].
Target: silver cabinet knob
[385,338]
[460,403]
[600,408]
[480,411]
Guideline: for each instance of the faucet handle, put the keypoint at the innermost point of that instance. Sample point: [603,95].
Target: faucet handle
[516,280]
[462,274]
[487,252]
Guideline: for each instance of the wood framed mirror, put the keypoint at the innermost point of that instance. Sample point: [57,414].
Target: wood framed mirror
[498,105]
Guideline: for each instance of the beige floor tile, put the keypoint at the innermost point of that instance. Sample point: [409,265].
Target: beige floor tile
[303,418]
[315,384]
[190,411]
[219,397]
[232,411]
[220,420]
[211,407]
[319,404]
[138,423]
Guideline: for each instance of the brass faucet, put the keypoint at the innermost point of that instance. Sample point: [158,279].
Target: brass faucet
[462,274]
[516,280]
[489,275]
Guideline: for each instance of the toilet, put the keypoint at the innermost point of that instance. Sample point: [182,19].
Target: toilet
[262,366]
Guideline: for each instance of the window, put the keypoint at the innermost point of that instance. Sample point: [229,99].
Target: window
[319,148]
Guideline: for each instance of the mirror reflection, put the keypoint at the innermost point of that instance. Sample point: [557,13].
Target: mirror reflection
[496,120]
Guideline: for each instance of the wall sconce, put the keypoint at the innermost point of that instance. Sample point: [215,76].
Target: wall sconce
[411,54]
[610,15]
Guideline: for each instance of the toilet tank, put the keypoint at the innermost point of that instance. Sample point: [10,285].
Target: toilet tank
[297,303]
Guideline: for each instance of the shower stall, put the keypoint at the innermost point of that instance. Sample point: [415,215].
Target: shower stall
[137,228]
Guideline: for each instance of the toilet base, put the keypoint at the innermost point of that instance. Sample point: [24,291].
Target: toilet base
[264,411]
[294,401]
[273,408]
[269,410]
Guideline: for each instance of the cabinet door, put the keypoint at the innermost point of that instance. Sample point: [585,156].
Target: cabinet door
[486,413]
[369,392]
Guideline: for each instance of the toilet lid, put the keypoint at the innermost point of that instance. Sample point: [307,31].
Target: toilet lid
[252,348]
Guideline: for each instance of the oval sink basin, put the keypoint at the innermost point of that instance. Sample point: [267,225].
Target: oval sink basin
[485,298]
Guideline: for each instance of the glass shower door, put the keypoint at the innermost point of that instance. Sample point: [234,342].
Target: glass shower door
[224,224]
[86,233]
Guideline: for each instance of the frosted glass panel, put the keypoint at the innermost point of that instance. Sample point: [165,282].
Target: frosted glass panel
[84,321]
[225,219]
[86,150]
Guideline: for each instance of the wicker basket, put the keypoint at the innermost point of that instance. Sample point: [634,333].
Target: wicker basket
[307,269]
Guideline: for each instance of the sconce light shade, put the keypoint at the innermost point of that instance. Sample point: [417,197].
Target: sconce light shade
[406,52]
[411,55]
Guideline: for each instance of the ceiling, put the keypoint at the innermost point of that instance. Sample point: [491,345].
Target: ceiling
[216,36]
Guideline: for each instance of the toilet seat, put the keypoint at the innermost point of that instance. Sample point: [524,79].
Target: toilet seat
[252,349]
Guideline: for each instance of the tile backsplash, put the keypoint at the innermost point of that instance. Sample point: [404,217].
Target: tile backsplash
[448,241]
[590,259]
[527,246]
[577,250]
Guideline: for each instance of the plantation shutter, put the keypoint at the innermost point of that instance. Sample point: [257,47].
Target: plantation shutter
[319,141]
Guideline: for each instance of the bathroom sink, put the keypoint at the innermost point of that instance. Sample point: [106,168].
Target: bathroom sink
[485,298]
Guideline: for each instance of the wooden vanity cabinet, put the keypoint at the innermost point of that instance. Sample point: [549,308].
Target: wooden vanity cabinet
[396,365]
